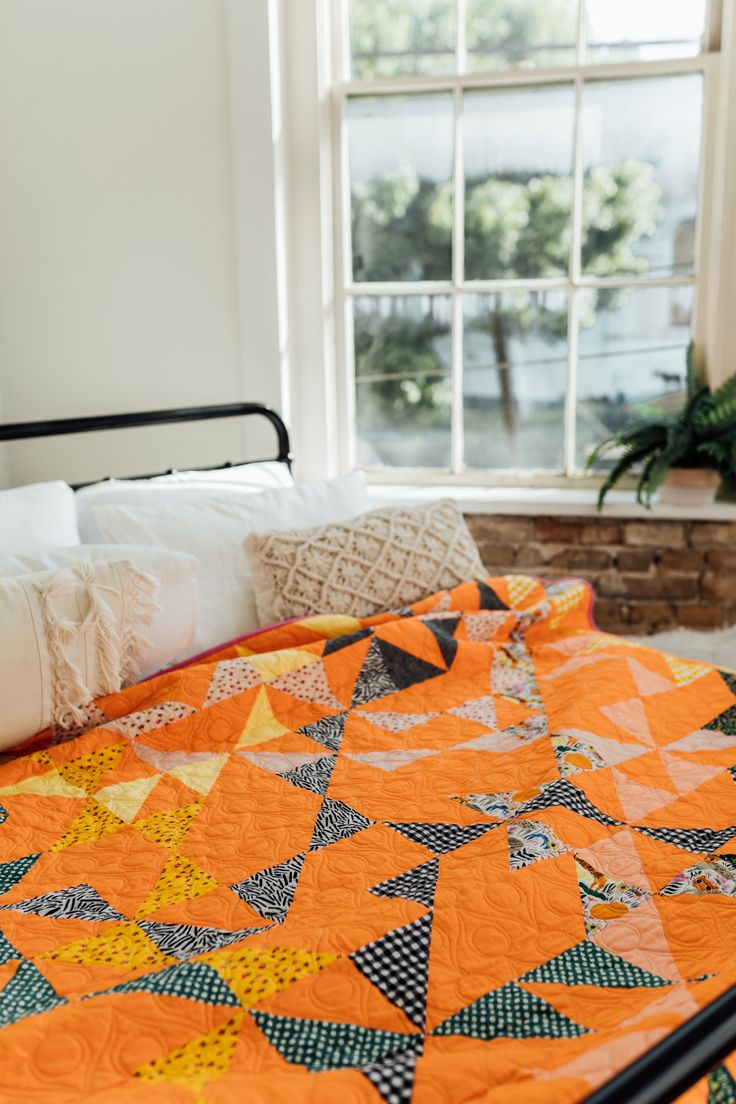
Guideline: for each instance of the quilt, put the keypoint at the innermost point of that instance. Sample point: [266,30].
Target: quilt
[472,850]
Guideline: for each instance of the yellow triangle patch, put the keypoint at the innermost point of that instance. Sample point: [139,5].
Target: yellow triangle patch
[518,587]
[50,784]
[123,945]
[125,798]
[180,880]
[198,1062]
[93,822]
[331,624]
[168,829]
[685,671]
[261,724]
[257,972]
[272,664]
[201,775]
[87,770]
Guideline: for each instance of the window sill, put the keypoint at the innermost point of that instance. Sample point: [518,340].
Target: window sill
[545,501]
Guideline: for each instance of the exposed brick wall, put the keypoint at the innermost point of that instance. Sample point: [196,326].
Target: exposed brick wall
[647,575]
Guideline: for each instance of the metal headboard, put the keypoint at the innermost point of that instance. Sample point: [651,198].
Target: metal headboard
[61,427]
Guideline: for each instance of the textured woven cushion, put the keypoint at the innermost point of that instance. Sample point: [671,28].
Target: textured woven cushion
[378,561]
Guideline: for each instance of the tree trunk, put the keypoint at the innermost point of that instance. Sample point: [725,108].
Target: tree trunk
[501,352]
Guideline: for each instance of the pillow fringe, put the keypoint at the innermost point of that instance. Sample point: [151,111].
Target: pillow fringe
[117,650]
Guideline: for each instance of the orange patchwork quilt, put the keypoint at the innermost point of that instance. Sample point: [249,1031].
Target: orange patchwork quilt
[474,850]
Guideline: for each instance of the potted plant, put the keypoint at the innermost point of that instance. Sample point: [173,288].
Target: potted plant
[687,454]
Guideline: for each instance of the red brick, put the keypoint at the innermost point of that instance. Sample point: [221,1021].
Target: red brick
[530,555]
[602,532]
[559,529]
[499,529]
[496,555]
[705,533]
[723,559]
[635,559]
[700,617]
[719,585]
[683,559]
[655,534]
[611,584]
[582,559]
[654,615]
[609,612]
[648,586]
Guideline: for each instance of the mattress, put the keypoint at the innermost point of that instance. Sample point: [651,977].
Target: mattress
[474,850]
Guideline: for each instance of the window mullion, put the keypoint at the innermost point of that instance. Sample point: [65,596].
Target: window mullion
[576,244]
[458,275]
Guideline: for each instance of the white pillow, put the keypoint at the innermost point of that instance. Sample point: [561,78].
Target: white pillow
[36,517]
[214,531]
[170,636]
[185,486]
[67,637]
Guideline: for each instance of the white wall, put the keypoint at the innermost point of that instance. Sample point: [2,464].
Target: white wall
[126,280]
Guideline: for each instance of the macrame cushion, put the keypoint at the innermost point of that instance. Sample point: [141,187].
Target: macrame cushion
[378,561]
[67,637]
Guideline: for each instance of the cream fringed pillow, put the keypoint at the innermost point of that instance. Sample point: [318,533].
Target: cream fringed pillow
[378,561]
[67,637]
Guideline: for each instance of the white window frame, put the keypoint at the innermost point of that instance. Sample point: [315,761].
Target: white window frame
[339,86]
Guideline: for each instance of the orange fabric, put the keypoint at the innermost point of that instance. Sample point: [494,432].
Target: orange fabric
[472,851]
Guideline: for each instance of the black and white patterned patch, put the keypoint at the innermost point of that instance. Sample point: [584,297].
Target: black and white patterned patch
[441,838]
[562,792]
[328,732]
[696,840]
[271,891]
[374,680]
[393,1076]
[313,776]
[398,965]
[79,902]
[336,821]
[185,940]
[417,885]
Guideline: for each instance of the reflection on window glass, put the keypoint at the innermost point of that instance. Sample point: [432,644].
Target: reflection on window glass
[403,388]
[514,373]
[503,34]
[401,152]
[641,153]
[518,182]
[390,38]
[633,344]
[644,30]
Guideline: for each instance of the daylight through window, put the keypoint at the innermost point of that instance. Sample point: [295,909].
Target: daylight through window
[521,183]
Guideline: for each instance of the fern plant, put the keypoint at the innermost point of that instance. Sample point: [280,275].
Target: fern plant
[701,435]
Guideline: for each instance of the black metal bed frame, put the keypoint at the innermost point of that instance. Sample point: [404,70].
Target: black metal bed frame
[677,1061]
[62,427]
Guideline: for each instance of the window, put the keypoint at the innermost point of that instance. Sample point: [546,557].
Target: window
[519,223]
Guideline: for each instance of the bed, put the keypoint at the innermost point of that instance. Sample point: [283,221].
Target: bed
[470,849]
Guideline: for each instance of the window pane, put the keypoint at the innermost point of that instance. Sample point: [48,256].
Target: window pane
[403,380]
[402,37]
[515,365]
[401,150]
[518,182]
[502,34]
[641,153]
[633,344]
[644,30]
